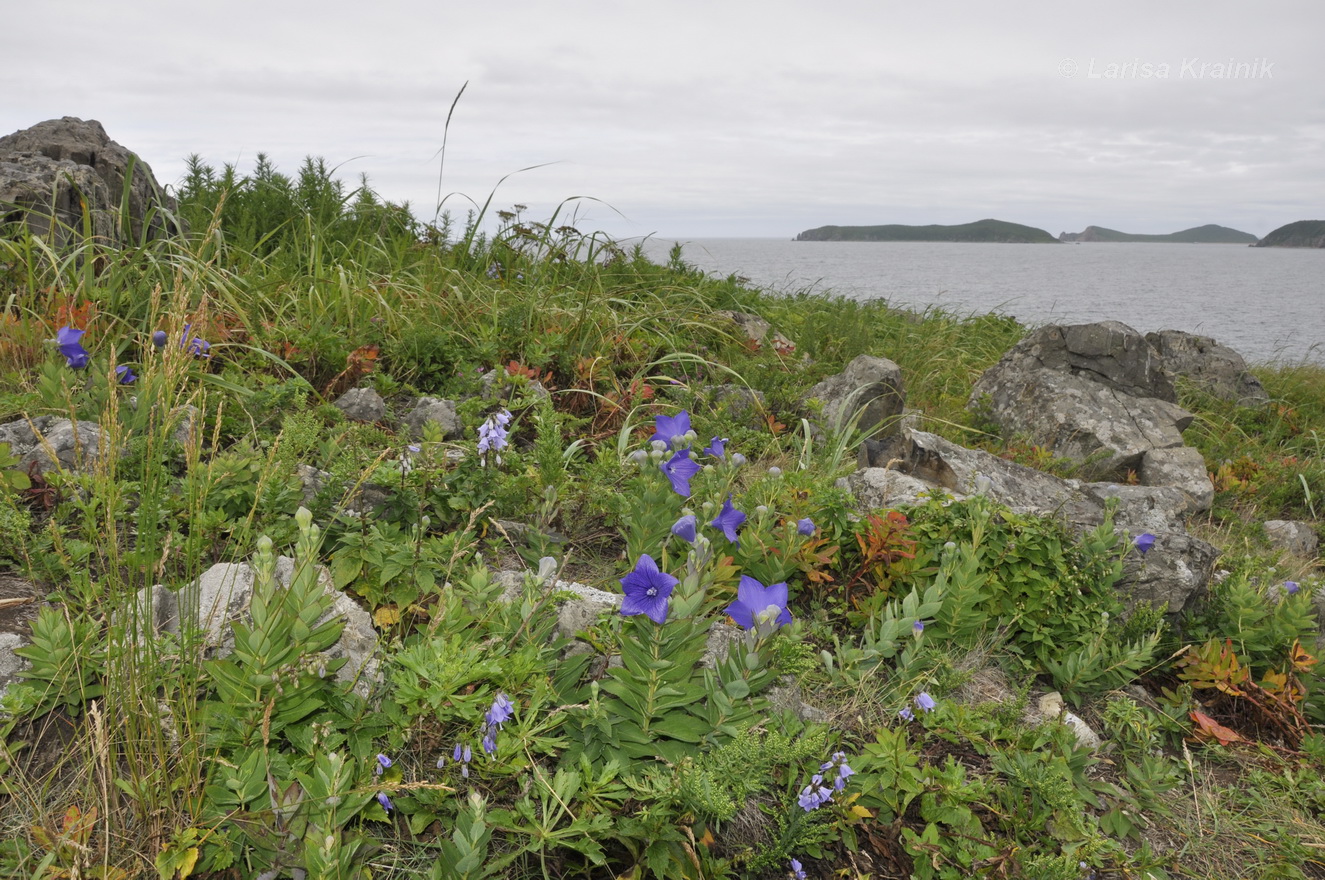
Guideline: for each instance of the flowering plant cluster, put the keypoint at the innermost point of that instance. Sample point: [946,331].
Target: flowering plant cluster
[492,436]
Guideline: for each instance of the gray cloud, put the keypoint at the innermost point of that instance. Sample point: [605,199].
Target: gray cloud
[739,118]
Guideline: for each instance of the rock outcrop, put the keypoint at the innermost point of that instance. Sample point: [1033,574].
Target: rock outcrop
[46,169]
[1098,395]
[914,464]
[51,442]
[1216,369]
[221,596]
[869,391]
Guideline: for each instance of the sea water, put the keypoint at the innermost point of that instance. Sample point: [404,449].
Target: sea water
[1268,304]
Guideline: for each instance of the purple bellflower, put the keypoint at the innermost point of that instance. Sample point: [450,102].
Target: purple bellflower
[125,375]
[671,429]
[196,346]
[729,520]
[159,339]
[679,470]
[66,338]
[647,590]
[758,606]
[925,702]
[717,447]
[685,528]
[1144,542]
[1291,587]
[805,527]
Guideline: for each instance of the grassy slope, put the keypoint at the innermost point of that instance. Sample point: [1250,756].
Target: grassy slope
[305,290]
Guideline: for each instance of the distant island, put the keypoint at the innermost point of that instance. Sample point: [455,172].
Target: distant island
[982,230]
[1208,234]
[1303,234]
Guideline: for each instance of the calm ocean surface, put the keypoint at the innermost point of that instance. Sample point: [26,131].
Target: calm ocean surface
[1268,304]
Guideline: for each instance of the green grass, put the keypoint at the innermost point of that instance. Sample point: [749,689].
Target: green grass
[180,764]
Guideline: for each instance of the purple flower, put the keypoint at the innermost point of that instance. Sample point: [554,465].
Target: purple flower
[717,447]
[1144,542]
[500,712]
[684,528]
[918,626]
[925,702]
[670,429]
[66,338]
[679,469]
[805,527]
[647,590]
[385,801]
[906,714]
[814,795]
[729,520]
[757,604]
[1291,587]
[159,339]
[383,763]
[797,870]
[195,346]
[492,433]
[126,375]
[489,742]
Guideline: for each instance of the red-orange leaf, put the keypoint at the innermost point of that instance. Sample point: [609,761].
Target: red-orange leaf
[1208,728]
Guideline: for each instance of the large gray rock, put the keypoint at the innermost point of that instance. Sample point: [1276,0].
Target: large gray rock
[46,168]
[220,597]
[432,409]
[1297,538]
[1175,571]
[1216,369]
[869,390]
[362,405]
[52,442]
[1094,424]
[1108,352]
[1182,467]
[1097,395]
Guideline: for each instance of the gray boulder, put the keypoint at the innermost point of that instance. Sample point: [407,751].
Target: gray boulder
[1175,571]
[757,330]
[220,597]
[1182,467]
[362,405]
[1216,369]
[505,392]
[45,169]
[869,390]
[52,442]
[1094,424]
[432,409]
[1297,538]
[1108,353]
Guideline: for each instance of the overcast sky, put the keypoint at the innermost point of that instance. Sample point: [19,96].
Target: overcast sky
[723,117]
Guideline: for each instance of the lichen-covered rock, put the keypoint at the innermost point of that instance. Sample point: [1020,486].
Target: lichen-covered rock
[1108,352]
[51,442]
[220,597]
[1182,467]
[1297,538]
[435,410]
[1175,572]
[45,169]
[1105,430]
[869,390]
[1215,368]
[362,405]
